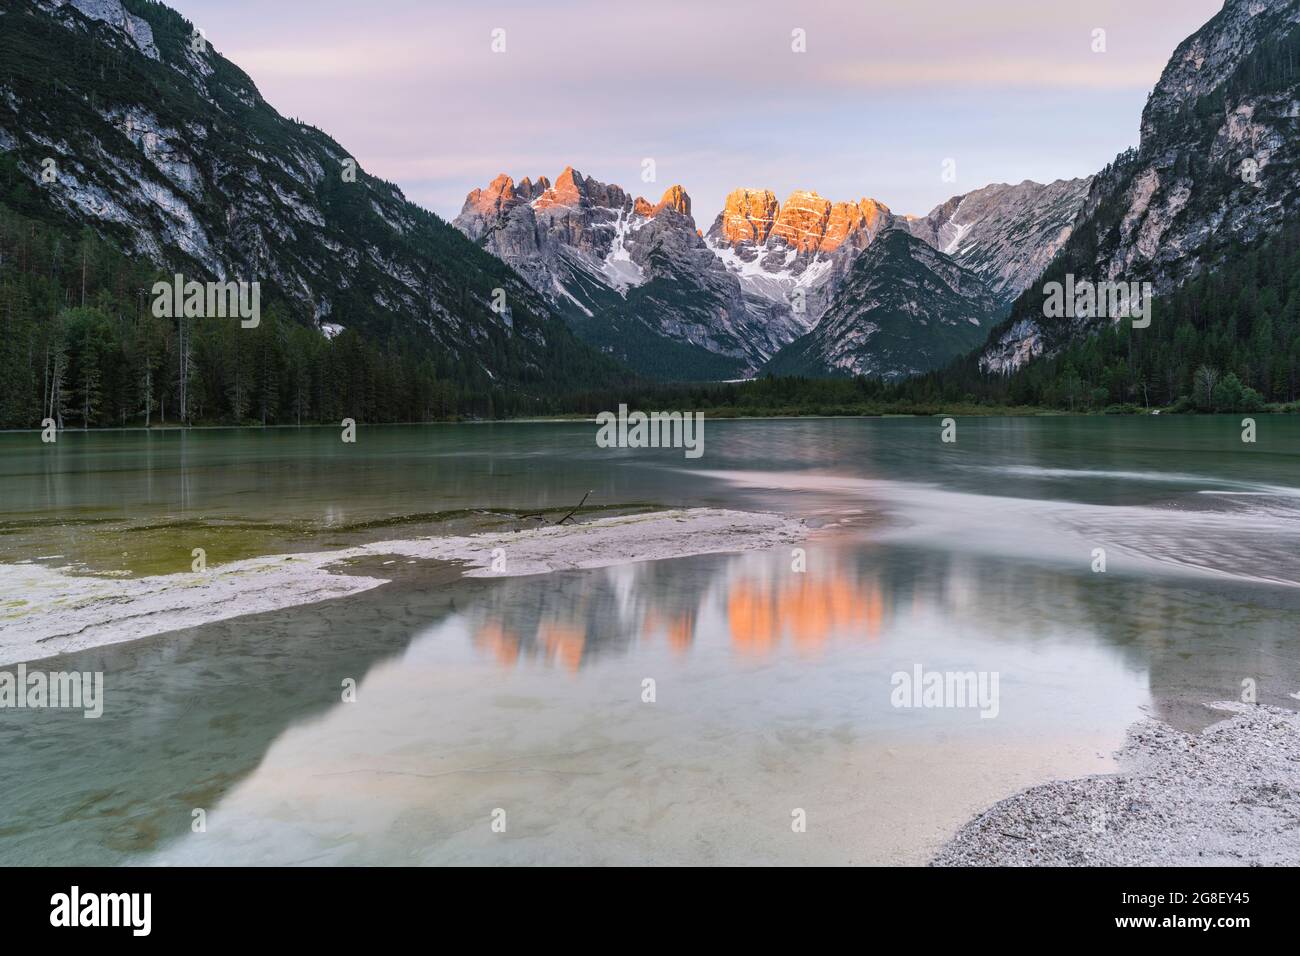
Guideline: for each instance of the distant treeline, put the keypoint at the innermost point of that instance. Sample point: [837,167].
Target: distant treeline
[1227,341]
[79,344]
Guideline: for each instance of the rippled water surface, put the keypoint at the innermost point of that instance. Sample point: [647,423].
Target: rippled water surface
[772,686]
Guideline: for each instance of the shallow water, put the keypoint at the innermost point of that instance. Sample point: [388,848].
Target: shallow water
[772,687]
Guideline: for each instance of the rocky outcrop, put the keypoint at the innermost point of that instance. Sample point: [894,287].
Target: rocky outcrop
[904,308]
[135,30]
[1215,166]
[485,206]
[1007,234]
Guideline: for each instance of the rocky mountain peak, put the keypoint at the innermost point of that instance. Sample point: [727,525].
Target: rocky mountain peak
[747,216]
[801,220]
[854,222]
[806,222]
[674,198]
[527,190]
[497,196]
[570,189]
[617,267]
[806,243]
[1008,234]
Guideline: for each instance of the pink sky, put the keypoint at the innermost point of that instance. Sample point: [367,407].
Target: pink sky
[712,91]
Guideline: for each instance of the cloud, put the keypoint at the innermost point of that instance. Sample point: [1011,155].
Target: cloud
[970,72]
[712,90]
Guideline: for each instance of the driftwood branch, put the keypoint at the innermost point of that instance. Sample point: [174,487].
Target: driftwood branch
[540,516]
[575,509]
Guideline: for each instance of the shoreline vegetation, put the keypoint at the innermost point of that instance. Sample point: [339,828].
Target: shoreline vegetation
[81,347]
[723,412]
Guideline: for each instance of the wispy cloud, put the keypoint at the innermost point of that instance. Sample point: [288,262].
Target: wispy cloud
[969,72]
[714,92]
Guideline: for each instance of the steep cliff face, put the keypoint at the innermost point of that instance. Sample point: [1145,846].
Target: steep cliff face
[747,218]
[125,123]
[1216,164]
[904,308]
[1006,234]
[791,257]
[633,278]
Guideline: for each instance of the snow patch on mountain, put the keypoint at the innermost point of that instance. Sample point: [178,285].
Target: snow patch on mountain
[618,266]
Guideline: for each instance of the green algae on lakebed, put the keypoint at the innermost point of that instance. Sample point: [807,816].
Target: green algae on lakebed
[126,549]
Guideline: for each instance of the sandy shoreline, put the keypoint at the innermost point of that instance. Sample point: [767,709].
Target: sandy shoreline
[58,613]
[1229,795]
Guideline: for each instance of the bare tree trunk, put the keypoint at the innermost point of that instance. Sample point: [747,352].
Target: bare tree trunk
[184,351]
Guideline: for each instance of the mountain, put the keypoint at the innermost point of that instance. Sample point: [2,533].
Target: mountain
[791,257]
[904,308]
[632,278]
[1006,234]
[637,281]
[115,116]
[1215,171]
[985,247]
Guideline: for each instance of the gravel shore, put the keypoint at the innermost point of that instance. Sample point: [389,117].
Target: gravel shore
[62,612]
[1229,795]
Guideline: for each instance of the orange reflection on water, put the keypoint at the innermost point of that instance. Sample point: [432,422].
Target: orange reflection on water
[760,612]
[563,642]
[494,639]
[680,629]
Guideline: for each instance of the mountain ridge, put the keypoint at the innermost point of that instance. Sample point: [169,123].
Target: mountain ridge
[115,115]
[1212,168]
[581,246]
[905,308]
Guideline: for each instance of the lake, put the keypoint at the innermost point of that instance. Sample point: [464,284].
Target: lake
[511,720]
